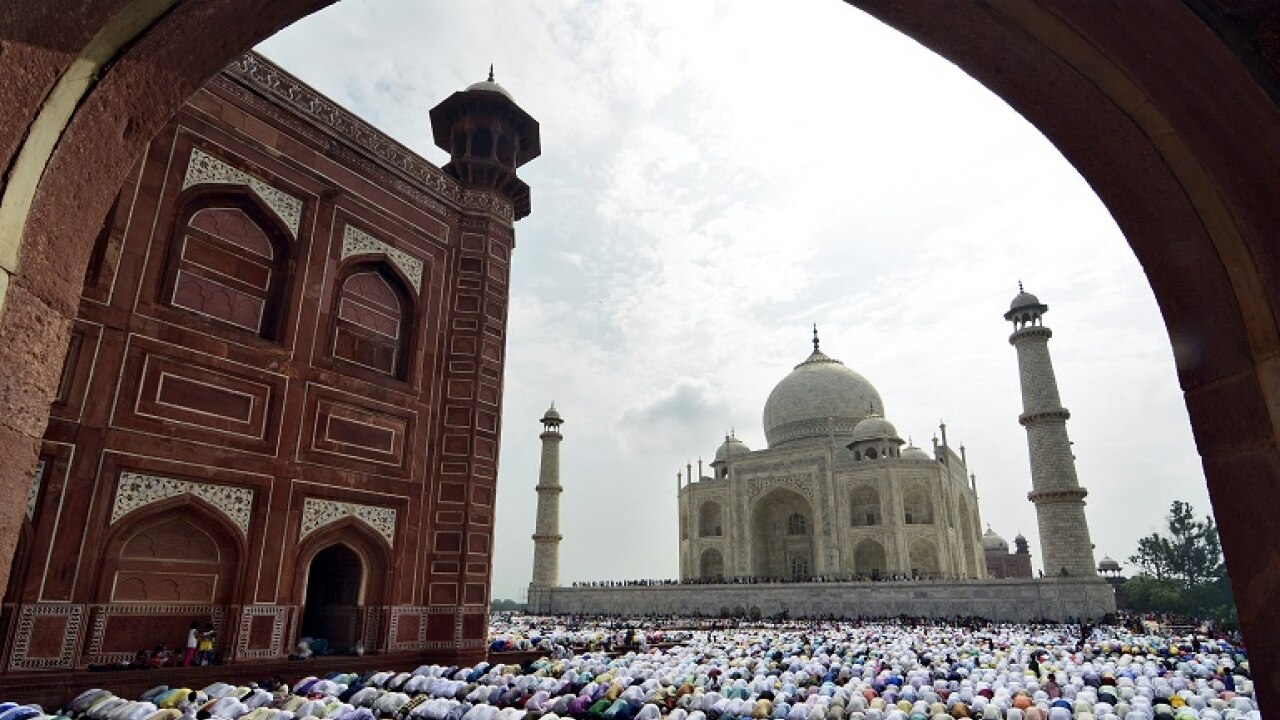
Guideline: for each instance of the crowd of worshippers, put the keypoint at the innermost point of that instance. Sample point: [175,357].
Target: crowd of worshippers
[766,580]
[887,670]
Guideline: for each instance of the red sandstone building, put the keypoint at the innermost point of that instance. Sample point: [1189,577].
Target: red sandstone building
[279,411]
[1004,564]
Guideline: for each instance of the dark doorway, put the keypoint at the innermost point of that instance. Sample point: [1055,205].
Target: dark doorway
[332,609]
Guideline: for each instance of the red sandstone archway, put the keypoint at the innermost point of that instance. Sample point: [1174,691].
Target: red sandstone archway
[1170,116]
[373,554]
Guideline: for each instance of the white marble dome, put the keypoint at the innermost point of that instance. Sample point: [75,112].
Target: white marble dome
[731,446]
[490,85]
[911,452]
[819,398]
[991,542]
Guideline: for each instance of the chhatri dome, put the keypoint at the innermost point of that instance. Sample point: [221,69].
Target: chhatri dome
[731,446]
[993,542]
[819,398]
[491,86]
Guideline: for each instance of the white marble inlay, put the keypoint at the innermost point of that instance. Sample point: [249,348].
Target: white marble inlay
[358,242]
[204,168]
[34,493]
[136,490]
[317,513]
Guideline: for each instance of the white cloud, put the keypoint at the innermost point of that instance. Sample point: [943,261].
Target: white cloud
[717,176]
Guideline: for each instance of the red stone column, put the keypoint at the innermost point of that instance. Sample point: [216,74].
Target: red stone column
[467,443]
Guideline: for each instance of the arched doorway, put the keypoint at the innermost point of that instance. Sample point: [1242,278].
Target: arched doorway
[335,590]
[782,536]
[923,558]
[712,565]
[869,559]
[1184,161]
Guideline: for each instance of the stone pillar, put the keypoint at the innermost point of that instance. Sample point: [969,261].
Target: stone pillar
[1057,495]
[546,534]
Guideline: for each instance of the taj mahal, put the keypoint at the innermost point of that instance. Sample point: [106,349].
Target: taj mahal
[836,494]
[839,515]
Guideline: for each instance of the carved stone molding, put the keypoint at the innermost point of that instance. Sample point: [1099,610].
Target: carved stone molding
[357,242]
[270,80]
[34,493]
[799,483]
[135,490]
[318,513]
[204,168]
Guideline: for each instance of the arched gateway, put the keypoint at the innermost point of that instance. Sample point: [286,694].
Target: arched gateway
[1180,159]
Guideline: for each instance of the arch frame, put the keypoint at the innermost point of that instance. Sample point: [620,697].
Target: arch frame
[1091,76]
[366,543]
[120,532]
[279,304]
[407,369]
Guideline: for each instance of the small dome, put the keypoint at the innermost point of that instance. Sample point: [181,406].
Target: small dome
[874,427]
[1108,565]
[552,414]
[490,86]
[911,452]
[1024,299]
[731,446]
[991,542]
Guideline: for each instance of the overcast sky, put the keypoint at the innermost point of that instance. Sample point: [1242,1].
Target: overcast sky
[718,176]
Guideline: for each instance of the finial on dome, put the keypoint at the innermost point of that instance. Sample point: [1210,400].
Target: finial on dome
[815,337]
[1019,282]
[491,80]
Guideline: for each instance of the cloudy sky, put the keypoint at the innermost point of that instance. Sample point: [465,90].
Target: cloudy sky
[718,175]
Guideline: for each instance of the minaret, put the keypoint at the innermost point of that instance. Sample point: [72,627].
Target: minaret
[546,535]
[1057,495]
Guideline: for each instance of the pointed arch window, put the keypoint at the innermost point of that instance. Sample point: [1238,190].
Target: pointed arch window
[230,264]
[796,524]
[373,320]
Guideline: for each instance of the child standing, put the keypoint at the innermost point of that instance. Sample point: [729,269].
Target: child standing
[206,645]
[192,638]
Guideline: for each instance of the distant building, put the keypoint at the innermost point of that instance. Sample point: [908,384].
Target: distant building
[1004,564]
[1111,571]
[835,495]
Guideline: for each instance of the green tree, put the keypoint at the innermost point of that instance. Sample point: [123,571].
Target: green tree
[1190,554]
[1181,571]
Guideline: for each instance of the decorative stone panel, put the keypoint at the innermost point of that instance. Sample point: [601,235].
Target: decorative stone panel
[318,513]
[799,483]
[204,168]
[46,636]
[412,619]
[135,490]
[277,615]
[357,242]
